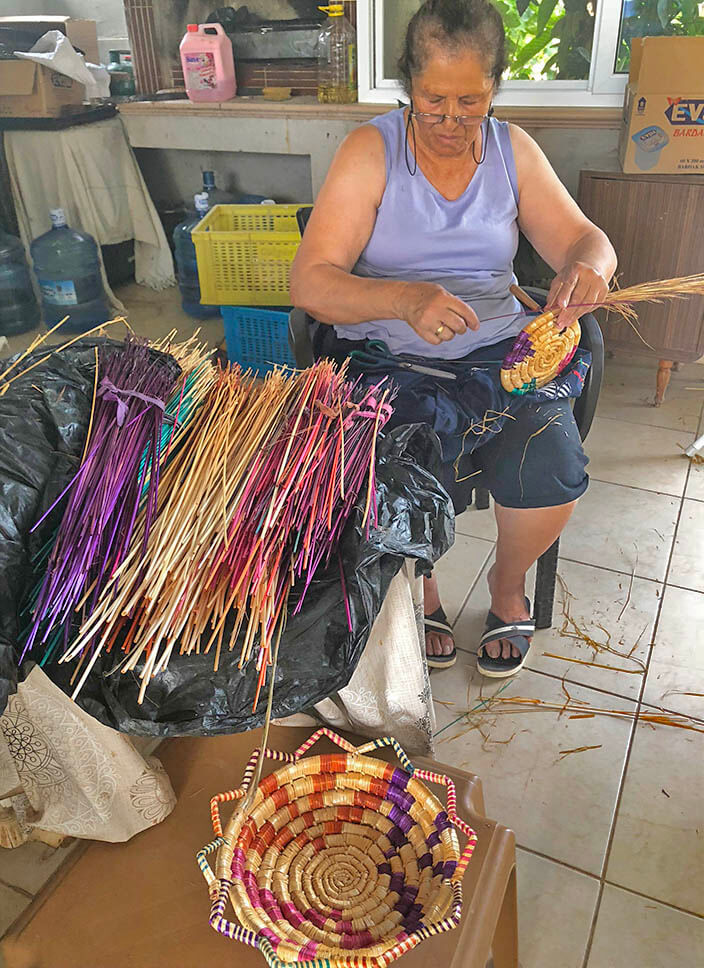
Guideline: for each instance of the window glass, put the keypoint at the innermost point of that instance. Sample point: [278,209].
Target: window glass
[656,18]
[547,39]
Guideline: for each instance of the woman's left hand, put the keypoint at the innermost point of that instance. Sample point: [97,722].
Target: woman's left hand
[574,290]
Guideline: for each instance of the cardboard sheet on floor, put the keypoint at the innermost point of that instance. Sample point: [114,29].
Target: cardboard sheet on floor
[145,903]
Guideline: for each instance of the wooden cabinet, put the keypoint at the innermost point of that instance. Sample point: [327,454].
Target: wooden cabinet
[656,224]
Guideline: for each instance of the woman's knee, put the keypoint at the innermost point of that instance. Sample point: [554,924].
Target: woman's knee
[541,462]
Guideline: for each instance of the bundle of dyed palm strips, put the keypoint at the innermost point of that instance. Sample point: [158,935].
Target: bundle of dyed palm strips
[144,396]
[542,350]
[120,465]
[338,859]
[254,502]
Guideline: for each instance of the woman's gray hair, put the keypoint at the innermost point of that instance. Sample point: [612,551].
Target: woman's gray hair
[475,24]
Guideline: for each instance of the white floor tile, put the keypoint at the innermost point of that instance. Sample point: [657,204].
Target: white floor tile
[676,673]
[695,484]
[477,524]
[628,393]
[559,805]
[621,527]
[555,910]
[632,930]
[607,608]
[651,458]
[687,567]
[658,847]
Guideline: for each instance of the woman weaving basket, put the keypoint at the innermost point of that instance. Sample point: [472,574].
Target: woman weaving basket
[412,241]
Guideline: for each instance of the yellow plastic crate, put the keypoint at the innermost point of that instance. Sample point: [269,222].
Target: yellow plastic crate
[244,254]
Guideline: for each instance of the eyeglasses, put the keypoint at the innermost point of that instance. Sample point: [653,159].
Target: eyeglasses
[466,120]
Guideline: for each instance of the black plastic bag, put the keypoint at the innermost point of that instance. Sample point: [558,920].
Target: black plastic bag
[43,423]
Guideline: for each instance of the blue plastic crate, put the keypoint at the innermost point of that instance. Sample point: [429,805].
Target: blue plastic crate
[257,338]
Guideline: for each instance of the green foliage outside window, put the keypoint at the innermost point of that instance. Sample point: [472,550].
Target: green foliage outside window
[551,40]
[657,18]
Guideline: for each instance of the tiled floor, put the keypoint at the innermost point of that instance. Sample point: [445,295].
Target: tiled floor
[611,855]
[611,838]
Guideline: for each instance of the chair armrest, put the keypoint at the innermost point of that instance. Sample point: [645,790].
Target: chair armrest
[299,337]
[585,404]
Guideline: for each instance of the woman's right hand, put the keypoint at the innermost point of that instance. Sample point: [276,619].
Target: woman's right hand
[434,313]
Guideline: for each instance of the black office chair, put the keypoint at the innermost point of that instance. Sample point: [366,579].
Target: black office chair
[584,410]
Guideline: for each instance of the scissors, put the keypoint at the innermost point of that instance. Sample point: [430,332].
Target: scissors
[376,355]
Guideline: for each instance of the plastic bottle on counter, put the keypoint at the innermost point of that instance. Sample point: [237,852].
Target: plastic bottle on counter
[216,196]
[121,74]
[67,266]
[187,265]
[337,58]
[19,309]
[208,63]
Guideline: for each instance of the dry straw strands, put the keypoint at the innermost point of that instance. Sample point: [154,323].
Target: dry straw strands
[256,501]
[623,301]
[6,380]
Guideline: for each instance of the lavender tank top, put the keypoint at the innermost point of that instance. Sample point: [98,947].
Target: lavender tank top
[467,245]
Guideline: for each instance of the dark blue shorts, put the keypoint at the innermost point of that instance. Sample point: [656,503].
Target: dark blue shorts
[536,461]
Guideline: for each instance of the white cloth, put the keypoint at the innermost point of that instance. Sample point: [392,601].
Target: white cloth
[55,51]
[75,776]
[389,692]
[90,171]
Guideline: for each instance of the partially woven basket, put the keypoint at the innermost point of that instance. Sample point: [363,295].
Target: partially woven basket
[338,860]
[541,352]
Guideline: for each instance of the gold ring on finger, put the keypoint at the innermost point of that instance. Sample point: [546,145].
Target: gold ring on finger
[440,328]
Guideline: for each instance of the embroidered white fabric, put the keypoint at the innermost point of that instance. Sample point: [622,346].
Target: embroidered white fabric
[75,776]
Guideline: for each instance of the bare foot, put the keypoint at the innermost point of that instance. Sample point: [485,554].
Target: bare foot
[436,643]
[509,608]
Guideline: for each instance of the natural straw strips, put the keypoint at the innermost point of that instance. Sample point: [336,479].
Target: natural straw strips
[254,502]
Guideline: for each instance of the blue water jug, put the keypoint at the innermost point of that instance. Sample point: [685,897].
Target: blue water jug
[19,309]
[216,196]
[186,264]
[67,267]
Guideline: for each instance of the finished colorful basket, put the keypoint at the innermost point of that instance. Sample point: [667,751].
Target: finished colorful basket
[541,352]
[338,860]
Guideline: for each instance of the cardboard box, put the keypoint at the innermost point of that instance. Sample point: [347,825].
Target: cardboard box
[82,33]
[663,117]
[28,90]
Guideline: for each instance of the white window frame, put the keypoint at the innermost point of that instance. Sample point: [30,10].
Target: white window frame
[603,88]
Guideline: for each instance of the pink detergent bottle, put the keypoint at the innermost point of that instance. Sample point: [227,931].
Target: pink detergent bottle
[208,64]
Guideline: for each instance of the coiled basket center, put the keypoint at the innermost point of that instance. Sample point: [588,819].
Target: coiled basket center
[339,859]
[541,352]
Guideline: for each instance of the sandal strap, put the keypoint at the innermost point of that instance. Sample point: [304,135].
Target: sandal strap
[519,639]
[518,633]
[437,622]
[439,626]
[506,631]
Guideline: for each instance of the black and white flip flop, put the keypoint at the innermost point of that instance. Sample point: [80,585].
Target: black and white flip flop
[517,633]
[437,622]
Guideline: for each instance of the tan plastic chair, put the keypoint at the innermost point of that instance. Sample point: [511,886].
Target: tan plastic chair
[144,904]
